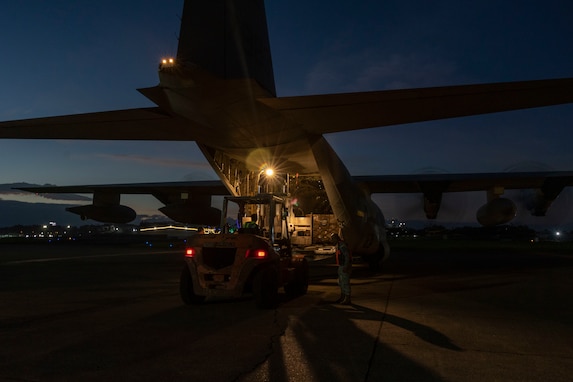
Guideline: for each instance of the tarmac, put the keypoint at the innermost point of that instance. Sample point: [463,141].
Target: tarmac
[454,316]
[103,313]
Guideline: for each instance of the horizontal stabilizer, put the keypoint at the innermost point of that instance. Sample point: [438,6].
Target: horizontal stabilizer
[331,113]
[132,124]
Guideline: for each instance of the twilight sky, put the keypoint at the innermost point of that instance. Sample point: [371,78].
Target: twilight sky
[65,57]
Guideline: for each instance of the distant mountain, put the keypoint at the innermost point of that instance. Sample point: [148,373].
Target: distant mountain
[14,213]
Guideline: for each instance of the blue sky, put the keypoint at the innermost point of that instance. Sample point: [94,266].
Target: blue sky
[65,57]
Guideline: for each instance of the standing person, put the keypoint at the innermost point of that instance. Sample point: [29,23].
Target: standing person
[344,262]
[252,226]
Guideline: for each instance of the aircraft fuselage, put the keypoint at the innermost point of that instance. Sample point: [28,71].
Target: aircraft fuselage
[239,136]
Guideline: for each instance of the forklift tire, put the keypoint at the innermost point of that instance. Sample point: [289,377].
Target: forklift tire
[186,288]
[266,289]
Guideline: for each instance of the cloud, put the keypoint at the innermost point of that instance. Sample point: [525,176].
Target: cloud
[375,70]
[14,113]
[10,191]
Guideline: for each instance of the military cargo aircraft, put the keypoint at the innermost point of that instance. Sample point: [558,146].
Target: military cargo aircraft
[219,92]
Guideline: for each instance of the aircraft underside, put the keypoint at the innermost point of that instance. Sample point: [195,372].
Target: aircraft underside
[219,92]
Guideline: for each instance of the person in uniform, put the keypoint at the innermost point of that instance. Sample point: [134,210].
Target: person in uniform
[252,226]
[344,262]
[253,222]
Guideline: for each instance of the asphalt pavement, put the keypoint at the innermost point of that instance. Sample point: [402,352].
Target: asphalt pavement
[92,313]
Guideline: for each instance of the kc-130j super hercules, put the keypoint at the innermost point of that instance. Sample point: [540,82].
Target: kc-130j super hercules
[219,91]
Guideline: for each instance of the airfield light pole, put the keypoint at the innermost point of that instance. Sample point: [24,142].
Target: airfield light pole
[269,173]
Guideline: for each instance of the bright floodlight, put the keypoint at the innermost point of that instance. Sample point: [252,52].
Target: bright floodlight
[269,172]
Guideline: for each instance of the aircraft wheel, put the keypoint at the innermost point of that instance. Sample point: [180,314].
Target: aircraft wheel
[299,285]
[375,262]
[266,289]
[186,288]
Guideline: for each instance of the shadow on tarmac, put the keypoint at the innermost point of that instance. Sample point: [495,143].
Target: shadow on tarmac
[340,343]
[109,318]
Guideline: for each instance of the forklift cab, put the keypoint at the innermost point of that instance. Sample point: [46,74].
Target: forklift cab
[262,215]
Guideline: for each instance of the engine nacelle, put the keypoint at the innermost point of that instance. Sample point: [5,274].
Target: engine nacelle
[105,214]
[193,213]
[495,212]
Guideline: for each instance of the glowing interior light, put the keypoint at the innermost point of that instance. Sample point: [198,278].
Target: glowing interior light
[190,252]
[269,172]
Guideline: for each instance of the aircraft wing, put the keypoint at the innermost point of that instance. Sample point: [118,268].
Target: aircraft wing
[131,124]
[498,210]
[159,189]
[415,183]
[186,202]
[190,201]
[419,183]
[317,114]
[330,113]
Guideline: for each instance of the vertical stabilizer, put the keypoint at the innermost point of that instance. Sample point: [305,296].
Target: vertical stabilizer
[228,38]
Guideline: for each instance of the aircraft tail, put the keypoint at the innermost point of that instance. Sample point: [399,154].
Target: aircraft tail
[228,38]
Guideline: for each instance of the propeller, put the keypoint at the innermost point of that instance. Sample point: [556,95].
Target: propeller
[558,213]
[454,207]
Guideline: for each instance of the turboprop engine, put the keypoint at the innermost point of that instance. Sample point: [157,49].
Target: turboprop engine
[496,211]
[118,214]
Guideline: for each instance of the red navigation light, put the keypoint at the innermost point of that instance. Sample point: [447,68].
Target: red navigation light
[256,253]
[190,252]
